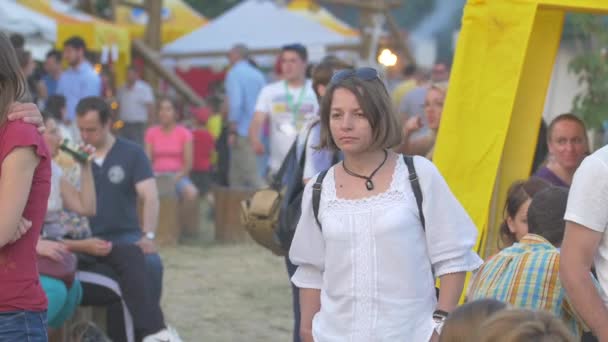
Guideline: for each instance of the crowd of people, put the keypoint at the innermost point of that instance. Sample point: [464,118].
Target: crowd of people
[377,228]
[350,257]
[84,245]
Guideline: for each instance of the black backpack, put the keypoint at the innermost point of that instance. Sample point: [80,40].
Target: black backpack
[413,177]
[291,202]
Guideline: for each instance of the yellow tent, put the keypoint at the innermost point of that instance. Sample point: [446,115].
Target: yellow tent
[179,19]
[100,35]
[501,72]
[310,9]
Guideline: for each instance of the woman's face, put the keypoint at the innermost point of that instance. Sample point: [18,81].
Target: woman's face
[166,113]
[348,123]
[518,225]
[433,107]
[52,136]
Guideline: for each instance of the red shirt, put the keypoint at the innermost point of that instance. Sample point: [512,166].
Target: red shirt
[203,146]
[20,288]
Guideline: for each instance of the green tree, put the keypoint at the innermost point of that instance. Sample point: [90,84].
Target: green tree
[212,8]
[591,66]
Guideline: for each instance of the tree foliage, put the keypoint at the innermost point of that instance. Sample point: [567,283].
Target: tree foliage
[212,8]
[591,67]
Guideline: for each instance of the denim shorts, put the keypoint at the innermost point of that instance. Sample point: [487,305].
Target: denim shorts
[182,184]
[23,326]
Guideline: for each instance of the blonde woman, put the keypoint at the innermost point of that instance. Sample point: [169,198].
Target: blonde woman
[424,145]
[518,325]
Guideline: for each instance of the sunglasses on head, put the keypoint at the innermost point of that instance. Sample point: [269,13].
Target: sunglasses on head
[365,74]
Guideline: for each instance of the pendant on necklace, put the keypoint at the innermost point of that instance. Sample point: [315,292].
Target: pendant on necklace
[369,185]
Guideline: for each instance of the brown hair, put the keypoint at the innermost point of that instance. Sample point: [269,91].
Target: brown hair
[546,214]
[519,325]
[517,195]
[167,99]
[375,103]
[322,72]
[94,104]
[463,323]
[565,117]
[12,81]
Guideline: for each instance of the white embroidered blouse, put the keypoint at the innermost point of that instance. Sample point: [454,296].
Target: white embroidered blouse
[374,263]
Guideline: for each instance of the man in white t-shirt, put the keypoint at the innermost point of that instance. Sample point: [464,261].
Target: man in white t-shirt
[586,242]
[288,103]
[135,107]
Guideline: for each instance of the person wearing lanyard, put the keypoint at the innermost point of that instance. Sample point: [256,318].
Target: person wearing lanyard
[288,103]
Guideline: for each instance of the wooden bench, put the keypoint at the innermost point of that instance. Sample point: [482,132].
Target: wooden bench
[97,314]
[175,219]
[168,230]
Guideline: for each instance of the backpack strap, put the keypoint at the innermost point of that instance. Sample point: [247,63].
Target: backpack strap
[409,161]
[302,161]
[316,196]
[277,180]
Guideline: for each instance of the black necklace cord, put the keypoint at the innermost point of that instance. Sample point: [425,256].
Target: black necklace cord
[369,184]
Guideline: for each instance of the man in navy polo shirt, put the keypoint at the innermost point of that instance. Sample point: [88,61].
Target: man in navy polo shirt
[122,173]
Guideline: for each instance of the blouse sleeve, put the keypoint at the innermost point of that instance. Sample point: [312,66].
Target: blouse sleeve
[308,246]
[450,232]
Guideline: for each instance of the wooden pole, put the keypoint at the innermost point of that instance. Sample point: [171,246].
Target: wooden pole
[398,38]
[368,9]
[367,25]
[365,5]
[113,7]
[154,65]
[88,6]
[132,4]
[153,36]
[274,51]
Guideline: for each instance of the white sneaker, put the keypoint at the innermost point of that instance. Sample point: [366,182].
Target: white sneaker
[165,335]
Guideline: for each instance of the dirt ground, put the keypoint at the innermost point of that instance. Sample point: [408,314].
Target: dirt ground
[226,293]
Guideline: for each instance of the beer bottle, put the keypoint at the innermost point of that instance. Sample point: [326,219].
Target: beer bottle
[74,151]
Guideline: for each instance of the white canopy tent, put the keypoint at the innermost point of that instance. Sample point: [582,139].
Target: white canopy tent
[39,31]
[259,24]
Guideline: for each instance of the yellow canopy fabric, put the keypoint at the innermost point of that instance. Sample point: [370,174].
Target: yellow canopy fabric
[179,19]
[98,34]
[489,127]
[317,13]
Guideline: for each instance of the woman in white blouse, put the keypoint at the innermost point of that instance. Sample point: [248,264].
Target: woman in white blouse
[368,272]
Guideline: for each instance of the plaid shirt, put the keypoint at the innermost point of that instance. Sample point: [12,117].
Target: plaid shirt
[526,275]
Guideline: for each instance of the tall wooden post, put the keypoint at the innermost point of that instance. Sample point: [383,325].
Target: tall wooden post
[153,36]
[113,7]
[368,24]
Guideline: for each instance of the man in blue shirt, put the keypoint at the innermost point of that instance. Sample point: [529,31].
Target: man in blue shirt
[122,174]
[80,80]
[243,85]
[52,67]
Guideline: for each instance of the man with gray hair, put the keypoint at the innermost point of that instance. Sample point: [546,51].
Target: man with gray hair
[243,85]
